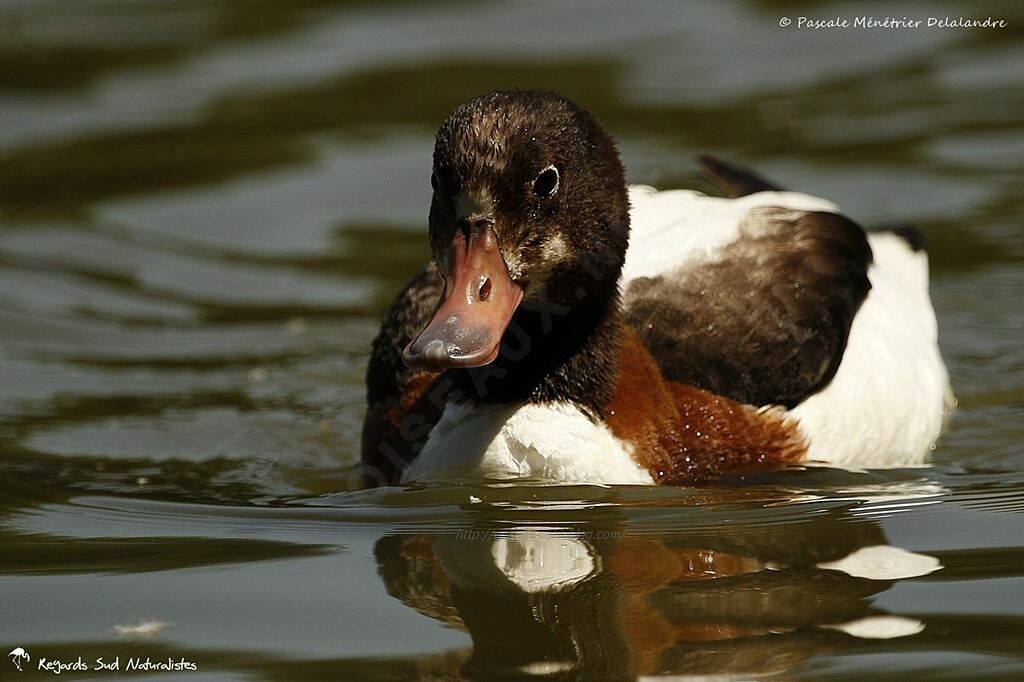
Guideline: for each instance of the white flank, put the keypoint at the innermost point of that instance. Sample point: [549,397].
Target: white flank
[887,402]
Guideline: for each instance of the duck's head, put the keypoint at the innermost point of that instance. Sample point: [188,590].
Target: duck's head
[529,212]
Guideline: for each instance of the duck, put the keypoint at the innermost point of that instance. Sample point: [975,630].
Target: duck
[572,329]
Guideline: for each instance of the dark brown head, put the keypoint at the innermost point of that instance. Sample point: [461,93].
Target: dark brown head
[529,210]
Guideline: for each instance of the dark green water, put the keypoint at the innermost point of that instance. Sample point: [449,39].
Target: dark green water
[205,205]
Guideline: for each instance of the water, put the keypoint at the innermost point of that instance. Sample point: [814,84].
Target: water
[206,205]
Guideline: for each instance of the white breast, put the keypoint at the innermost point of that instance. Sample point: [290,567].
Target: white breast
[547,443]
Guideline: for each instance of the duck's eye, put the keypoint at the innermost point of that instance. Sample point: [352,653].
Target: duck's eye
[546,183]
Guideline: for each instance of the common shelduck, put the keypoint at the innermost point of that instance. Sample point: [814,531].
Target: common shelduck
[572,330]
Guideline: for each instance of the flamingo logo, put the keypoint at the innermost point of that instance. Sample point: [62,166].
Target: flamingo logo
[18,655]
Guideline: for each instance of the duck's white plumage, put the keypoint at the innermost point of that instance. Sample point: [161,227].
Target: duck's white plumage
[886,403]
[554,442]
[670,228]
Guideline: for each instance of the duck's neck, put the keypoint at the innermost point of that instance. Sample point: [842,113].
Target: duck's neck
[551,355]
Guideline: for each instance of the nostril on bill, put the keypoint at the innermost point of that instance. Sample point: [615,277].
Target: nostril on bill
[485,288]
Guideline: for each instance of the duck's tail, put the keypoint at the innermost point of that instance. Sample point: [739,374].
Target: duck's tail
[736,181]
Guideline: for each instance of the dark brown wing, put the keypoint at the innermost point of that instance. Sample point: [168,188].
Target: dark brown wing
[398,418]
[766,320]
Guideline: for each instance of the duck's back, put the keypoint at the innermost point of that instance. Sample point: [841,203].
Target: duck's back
[775,298]
[750,298]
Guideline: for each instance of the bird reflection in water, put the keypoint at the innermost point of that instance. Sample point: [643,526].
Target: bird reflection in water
[606,602]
